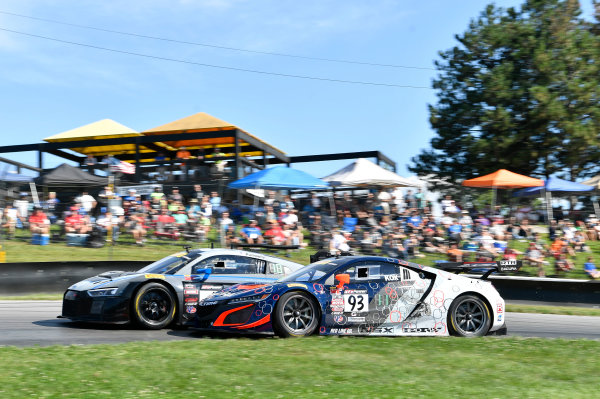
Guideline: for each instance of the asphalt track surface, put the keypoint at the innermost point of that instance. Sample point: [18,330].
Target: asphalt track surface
[31,323]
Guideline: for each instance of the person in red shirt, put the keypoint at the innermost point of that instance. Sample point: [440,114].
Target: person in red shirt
[75,223]
[164,221]
[38,222]
[275,234]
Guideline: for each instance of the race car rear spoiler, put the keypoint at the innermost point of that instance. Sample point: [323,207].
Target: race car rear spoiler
[487,267]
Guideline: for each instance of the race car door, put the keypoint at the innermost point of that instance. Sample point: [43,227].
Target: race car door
[226,270]
[377,293]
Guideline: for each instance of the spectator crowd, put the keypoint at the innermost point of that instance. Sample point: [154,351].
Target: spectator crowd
[394,223]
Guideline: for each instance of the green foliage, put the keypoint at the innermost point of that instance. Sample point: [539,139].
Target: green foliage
[521,91]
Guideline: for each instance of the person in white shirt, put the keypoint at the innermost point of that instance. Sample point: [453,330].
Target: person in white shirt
[291,218]
[87,202]
[339,242]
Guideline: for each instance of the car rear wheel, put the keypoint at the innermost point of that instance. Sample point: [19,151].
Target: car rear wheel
[154,306]
[469,317]
[296,315]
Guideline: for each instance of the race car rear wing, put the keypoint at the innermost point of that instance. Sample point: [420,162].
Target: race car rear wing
[486,267]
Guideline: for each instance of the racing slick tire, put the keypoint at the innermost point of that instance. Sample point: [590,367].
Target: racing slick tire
[296,315]
[154,306]
[469,316]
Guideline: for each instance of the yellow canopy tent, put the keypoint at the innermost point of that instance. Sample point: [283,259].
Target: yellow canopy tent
[203,122]
[104,129]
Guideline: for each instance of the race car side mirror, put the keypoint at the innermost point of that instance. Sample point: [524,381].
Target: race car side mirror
[343,279]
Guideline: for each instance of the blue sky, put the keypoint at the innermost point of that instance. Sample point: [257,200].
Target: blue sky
[49,87]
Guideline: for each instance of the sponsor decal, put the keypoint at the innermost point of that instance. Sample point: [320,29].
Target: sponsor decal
[499,307]
[356,301]
[355,319]
[384,330]
[499,317]
[422,329]
[340,331]
[296,285]
[191,291]
[211,287]
[188,300]
[207,303]
[508,265]
[190,309]
[392,277]
[339,319]
[337,303]
[191,303]
[160,276]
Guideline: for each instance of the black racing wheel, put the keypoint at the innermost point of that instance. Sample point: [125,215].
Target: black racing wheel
[154,306]
[469,317]
[295,315]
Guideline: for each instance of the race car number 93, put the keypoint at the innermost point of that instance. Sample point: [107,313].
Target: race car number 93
[356,302]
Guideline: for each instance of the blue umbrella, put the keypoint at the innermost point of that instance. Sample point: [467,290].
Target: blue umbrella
[280,178]
[554,184]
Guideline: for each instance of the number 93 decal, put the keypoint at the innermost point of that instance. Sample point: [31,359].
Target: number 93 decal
[356,302]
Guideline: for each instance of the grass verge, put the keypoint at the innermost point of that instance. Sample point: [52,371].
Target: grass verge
[310,367]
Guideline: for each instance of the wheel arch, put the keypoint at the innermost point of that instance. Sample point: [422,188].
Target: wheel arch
[312,297]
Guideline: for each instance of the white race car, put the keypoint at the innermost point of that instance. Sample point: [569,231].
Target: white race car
[364,295]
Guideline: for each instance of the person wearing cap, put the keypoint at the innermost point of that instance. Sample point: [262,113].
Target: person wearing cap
[252,234]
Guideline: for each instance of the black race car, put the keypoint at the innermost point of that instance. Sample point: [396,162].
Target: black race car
[153,297]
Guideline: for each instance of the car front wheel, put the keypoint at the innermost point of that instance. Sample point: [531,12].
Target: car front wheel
[154,306]
[295,315]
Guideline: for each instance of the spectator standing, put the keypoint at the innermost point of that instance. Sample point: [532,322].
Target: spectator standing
[10,218]
[176,195]
[198,193]
[87,202]
[22,206]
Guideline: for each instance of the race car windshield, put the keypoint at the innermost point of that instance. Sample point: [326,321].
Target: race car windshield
[310,273]
[168,265]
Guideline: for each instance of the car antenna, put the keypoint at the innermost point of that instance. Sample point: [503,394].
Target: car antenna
[187,248]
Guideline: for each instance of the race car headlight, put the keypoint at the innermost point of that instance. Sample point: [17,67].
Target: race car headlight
[252,298]
[99,292]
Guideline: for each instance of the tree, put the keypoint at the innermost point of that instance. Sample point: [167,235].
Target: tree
[521,92]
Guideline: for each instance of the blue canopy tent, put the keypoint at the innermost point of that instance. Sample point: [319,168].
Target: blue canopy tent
[280,178]
[554,185]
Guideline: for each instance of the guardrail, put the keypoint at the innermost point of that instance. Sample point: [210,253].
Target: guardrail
[49,277]
[547,289]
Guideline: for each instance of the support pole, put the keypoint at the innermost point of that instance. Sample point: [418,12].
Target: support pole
[137,161]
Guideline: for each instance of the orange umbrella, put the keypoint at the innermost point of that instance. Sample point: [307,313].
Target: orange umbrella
[503,178]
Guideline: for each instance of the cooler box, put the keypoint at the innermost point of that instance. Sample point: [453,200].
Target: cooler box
[40,239]
[77,240]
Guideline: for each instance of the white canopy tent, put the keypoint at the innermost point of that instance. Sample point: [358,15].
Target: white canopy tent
[364,173]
